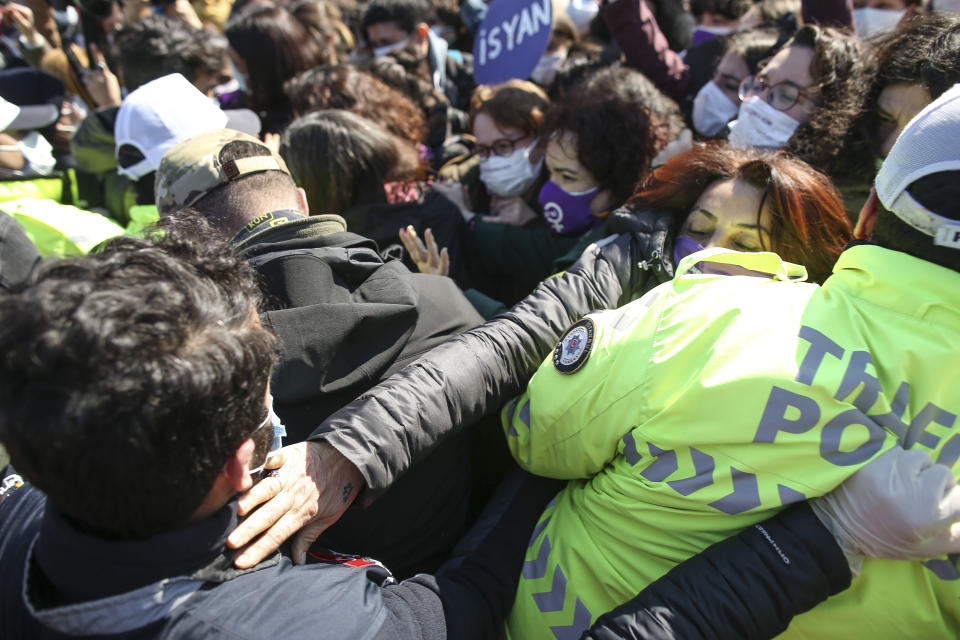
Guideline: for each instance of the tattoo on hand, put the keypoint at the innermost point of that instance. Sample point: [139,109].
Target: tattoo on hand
[347,490]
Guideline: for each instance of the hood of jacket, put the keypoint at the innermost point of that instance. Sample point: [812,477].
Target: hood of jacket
[343,314]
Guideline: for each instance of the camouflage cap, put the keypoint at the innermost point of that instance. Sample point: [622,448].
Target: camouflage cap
[192,169]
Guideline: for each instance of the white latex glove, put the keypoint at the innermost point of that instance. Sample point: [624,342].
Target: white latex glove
[899,506]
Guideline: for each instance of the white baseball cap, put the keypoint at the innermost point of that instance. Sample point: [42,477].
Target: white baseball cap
[164,112]
[928,145]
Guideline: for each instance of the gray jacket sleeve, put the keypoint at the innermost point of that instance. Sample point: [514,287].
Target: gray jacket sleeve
[472,374]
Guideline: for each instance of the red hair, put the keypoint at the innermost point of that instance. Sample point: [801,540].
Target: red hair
[809,224]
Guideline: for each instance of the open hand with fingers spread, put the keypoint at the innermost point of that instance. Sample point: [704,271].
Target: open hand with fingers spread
[427,258]
[312,488]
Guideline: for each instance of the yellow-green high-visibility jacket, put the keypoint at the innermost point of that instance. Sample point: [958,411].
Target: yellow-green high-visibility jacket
[716,400]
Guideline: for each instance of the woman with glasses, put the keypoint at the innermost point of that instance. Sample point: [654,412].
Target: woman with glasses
[503,175]
[718,101]
[593,147]
[808,100]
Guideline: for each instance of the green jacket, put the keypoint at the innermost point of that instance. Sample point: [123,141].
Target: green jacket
[715,401]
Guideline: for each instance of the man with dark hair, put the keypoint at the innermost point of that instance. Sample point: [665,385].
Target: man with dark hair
[347,319]
[159,45]
[398,28]
[141,408]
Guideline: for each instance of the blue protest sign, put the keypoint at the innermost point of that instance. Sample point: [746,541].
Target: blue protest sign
[511,39]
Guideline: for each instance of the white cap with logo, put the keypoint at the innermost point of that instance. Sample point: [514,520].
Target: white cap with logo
[929,144]
[164,112]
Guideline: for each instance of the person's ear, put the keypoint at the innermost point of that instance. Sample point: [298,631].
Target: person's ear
[302,196]
[422,31]
[868,217]
[236,471]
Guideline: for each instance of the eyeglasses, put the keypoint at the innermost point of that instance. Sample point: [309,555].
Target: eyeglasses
[501,147]
[782,95]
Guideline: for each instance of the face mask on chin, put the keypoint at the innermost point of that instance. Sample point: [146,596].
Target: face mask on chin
[512,174]
[683,246]
[875,22]
[761,126]
[712,110]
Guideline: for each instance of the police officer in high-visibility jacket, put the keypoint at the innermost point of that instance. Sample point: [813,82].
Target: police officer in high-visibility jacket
[737,389]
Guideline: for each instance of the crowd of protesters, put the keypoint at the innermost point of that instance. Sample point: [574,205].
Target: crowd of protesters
[307,329]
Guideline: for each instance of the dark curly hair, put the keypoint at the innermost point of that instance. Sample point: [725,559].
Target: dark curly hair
[628,83]
[157,46]
[139,371]
[832,140]
[615,126]
[346,87]
[923,51]
[406,14]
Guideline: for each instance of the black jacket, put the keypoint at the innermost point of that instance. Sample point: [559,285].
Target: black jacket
[347,320]
[382,221]
[18,255]
[182,584]
[747,587]
[473,374]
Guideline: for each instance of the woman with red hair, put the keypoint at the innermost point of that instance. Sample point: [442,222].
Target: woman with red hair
[716,195]
[748,200]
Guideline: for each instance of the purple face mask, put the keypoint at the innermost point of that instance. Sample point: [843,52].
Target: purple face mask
[684,246]
[567,213]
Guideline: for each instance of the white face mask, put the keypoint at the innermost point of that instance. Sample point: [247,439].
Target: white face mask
[875,22]
[387,49]
[512,174]
[37,152]
[712,110]
[546,69]
[581,13]
[760,125]
[279,432]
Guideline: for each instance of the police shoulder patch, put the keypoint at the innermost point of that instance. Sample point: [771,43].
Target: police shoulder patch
[573,350]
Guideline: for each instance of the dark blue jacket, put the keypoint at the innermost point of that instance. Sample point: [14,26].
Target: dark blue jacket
[58,581]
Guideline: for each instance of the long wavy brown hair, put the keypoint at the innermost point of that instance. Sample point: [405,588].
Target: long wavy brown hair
[809,225]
